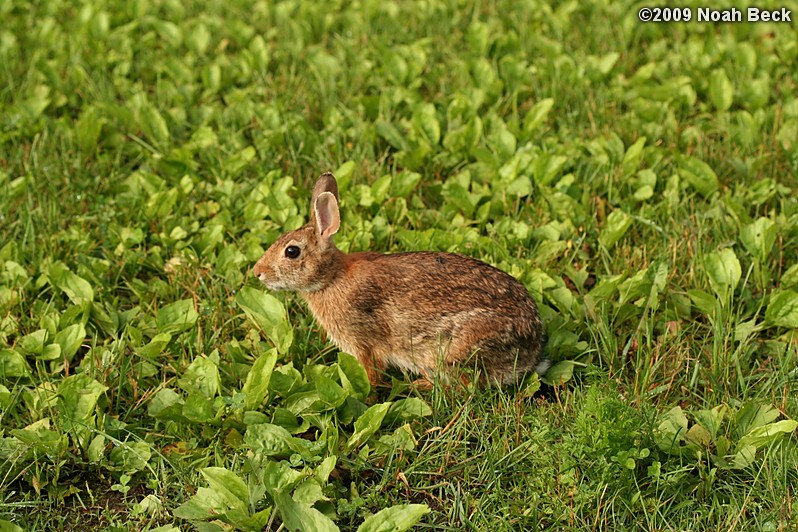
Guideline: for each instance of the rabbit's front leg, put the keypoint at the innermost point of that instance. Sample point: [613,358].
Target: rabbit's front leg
[374,367]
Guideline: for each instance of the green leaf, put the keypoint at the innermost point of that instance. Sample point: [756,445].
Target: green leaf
[753,415]
[50,352]
[380,188]
[38,101]
[458,196]
[395,66]
[520,187]
[268,314]
[343,174]
[711,420]
[353,376]
[699,436]
[203,138]
[204,504]
[260,52]
[77,289]
[721,91]
[34,342]
[198,408]
[404,183]
[460,138]
[631,159]
[746,329]
[478,38]
[78,396]
[131,456]
[39,436]
[88,128]
[161,204]
[155,347]
[645,180]
[207,503]
[272,440]
[547,167]
[154,125]
[202,377]
[325,468]
[723,269]
[607,61]
[279,477]
[744,457]
[177,317]
[389,132]
[537,115]
[502,140]
[782,309]
[70,340]
[395,519]
[238,161]
[643,193]
[604,289]
[305,402]
[232,489]
[560,373]
[308,492]
[8,526]
[256,521]
[282,417]
[367,425]
[330,392]
[256,387]
[699,174]
[405,410]
[671,430]
[426,124]
[285,380]
[301,517]
[96,449]
[5,396]
[766,435]
[401,439]
[198,39]
[759,237]
[167,404]
[789,279]
[703,301]
[618,222]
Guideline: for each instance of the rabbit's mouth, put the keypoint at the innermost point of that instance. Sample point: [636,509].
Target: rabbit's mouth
[273,284]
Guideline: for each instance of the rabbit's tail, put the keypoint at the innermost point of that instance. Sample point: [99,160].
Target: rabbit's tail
[543,366]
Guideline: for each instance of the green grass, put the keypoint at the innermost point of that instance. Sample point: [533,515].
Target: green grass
[639,179]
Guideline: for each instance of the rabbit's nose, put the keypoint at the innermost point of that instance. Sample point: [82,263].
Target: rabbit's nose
[259,269]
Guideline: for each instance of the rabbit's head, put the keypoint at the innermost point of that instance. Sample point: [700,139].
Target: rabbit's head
[306,259]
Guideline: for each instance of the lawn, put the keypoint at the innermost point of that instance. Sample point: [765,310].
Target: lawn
[640,179]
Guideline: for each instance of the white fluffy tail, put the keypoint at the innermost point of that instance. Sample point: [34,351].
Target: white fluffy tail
[543,366]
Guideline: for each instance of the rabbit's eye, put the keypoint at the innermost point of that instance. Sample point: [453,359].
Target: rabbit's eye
[292,252]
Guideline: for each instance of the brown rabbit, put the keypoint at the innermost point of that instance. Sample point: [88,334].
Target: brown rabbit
[416,311]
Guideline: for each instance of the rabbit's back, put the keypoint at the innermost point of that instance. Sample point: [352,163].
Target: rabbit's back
[423,310]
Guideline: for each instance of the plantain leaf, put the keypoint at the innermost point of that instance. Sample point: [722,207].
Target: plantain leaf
[268,314]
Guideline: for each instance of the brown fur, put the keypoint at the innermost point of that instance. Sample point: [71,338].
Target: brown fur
[421,311]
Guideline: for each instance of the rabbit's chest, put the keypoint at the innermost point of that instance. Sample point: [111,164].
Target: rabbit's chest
[351,324]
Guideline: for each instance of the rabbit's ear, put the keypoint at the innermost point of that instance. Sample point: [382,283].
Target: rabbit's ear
[326,215]
[325,183]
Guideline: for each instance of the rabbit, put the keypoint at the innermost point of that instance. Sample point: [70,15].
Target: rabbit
[416,311]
